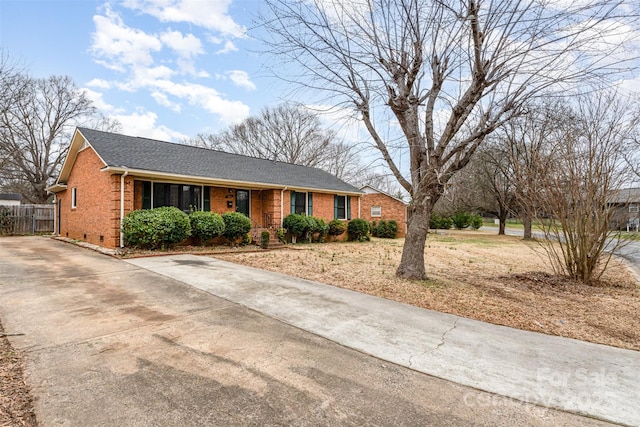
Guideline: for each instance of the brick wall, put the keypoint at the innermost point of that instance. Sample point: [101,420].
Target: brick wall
[96,218]
[391,209]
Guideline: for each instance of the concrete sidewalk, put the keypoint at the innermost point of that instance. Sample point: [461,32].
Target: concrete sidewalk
[576,376]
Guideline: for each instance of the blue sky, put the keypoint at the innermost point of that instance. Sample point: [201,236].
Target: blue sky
[166,69]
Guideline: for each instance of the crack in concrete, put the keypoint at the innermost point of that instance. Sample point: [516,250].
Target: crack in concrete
[440,344]
[444,334]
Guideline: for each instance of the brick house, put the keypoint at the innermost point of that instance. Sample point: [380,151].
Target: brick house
[107,175]
[377,205]
[625,205]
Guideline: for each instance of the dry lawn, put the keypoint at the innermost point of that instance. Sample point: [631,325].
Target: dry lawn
[16,403]
[480,275]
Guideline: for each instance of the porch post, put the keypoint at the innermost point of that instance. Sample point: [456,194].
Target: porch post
[122,207]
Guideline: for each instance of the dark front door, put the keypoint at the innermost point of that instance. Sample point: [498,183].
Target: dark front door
[242,202]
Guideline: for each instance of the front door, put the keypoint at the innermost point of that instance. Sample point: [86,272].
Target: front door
[242,202]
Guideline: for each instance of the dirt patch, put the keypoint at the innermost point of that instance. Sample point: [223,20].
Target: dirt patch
[16,405]
[497,279]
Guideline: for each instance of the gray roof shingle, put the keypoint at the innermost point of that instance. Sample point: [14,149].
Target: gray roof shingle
[165,157]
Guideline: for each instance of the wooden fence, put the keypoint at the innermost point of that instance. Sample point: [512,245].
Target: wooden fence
[26,219]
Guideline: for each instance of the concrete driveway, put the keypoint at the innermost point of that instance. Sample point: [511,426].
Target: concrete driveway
[111,343]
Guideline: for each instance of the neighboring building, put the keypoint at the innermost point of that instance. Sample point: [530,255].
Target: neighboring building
[377,205]
[10,199]
[626,205]
[107,175]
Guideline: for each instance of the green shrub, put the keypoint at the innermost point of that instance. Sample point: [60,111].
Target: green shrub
[336,228]
[236,225]
[373,228]
[461,220]
[385,229]
[358,230]
[282,235]
[297,225]
[246,239]
[206,225]
[6,222]
[320,231]
[264,239]
[438,222]
[155,228]
[476,221]
[391,231]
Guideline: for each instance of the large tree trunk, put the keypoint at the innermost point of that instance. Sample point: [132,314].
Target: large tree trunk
[502,219]
[527,221]
[412,262]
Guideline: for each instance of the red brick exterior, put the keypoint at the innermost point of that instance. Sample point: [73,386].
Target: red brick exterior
[96,218]
[392,208]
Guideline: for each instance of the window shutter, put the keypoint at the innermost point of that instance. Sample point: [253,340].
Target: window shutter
[146,195]
[335,207]
[348,207]
[293,202]
[206,198]
[310,203]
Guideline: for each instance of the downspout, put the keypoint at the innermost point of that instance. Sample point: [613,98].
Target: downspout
[55,214]
[122,206]
[282,205]
[359,200]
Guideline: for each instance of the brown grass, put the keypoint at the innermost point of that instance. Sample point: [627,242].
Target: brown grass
[496,279]
[16,403]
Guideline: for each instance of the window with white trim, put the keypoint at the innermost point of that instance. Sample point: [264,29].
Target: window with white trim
[376,211]
[341,207]
[74,198]
[633,207]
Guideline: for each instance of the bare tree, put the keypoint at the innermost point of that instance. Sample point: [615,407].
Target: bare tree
[494,178]
[525,143]
[583,170]
[446,73]
[287,133]
[35,130]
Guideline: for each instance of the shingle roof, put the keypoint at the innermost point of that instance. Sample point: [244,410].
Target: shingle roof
[11,196]
[625,195]
[129,152]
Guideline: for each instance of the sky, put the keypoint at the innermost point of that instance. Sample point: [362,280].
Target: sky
[165,69]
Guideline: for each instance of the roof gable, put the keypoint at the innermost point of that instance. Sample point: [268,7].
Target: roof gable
[121,152]
[367,189]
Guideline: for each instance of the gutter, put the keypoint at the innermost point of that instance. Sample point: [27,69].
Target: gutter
[215,182]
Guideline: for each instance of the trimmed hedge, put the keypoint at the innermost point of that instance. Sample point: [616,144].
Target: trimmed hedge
[461,220]
[438,222]
[206,225]
[305,228]
[157,228]
[358,230]
[336,227]
[384,229]
[476,221]
[236,225]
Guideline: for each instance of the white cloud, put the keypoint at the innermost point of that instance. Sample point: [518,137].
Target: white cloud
[185,46]
[210,14]
[143,123]
[164,100]
[207,98]
[229,46]
[153,62]
[120,44]
[241,78]
[100,103]
[99,83]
